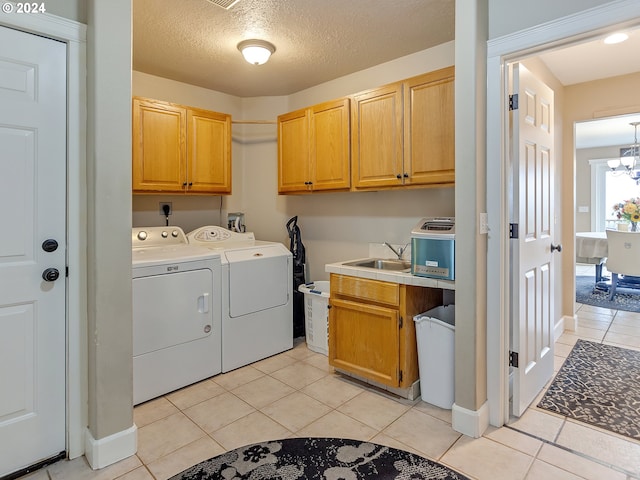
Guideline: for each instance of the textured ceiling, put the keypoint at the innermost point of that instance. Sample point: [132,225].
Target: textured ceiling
[195,41]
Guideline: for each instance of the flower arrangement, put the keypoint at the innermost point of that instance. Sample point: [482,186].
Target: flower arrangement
[629,210]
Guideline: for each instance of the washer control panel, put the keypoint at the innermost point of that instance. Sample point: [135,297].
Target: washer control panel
[214,235]
[157,236]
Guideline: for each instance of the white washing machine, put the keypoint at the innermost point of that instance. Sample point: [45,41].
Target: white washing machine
[257,295]
[176,312]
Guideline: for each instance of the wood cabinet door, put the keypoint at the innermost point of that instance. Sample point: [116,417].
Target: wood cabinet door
[329,151]
[364,340]
[376,138]
[159,146]
[293,152]
[208,152]
[429,128]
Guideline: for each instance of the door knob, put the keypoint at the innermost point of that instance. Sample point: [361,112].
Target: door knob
[556,247]
[50,275]
[49,245]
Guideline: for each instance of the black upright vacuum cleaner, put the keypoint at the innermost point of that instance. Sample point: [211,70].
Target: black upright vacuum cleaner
[297,249]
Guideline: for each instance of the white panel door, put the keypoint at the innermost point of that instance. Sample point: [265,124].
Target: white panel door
[532,256]
[32,196]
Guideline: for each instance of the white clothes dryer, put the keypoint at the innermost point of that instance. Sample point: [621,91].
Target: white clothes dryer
[257,295]
[176,312]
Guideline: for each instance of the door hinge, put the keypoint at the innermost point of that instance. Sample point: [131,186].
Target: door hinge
[513,102]
[513,230]
[400,322]
[513,359]
[66,271]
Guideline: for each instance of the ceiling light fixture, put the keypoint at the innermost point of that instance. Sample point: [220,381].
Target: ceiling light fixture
[256,52]
[629,161]
[616,38]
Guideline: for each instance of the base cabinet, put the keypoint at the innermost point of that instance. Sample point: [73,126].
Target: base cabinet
[371,328]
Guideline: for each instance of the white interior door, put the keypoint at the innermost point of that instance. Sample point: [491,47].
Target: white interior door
[532,160]
[32,196]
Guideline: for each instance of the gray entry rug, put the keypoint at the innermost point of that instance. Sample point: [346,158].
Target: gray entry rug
[588,293]
[599,385]
[318,458]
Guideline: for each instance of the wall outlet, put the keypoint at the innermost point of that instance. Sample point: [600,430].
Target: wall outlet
[162,208]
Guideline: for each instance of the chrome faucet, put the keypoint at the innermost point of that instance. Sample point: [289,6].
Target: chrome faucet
[398,252]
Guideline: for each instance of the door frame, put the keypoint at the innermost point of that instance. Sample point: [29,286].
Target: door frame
[74,35]
[500,52]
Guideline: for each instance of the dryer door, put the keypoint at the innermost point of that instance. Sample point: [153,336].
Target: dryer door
[259,279]
[171,309]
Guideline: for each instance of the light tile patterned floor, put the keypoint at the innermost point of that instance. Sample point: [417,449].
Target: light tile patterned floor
[296,393]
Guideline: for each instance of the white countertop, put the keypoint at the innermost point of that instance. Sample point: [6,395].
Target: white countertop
[404,278]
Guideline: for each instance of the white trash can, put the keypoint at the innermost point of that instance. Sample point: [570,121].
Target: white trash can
[316,313]
[435,332]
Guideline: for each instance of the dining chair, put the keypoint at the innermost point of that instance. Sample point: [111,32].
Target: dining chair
[623,257]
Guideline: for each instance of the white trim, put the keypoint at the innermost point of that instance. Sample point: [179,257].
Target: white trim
[565,30]
[472,423]
[558,329]
[111,449]
[74,35]
[599,169]
[536,39]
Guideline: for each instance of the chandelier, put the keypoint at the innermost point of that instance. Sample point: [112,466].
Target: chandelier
[629,161]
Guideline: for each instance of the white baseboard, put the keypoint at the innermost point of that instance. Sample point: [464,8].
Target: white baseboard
[111,449]
[472,423]
[567,323]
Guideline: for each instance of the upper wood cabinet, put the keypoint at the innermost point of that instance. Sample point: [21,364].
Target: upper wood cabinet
[403,133]
[429,128]
[313,148]
[178,149]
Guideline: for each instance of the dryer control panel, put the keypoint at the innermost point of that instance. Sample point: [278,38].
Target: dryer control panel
[157,236]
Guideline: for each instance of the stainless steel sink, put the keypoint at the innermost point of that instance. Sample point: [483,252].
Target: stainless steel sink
[381,264]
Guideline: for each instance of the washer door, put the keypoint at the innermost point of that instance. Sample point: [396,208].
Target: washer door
[171,309]
[258,279]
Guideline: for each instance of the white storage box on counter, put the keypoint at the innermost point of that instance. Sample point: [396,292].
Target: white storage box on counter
[433,248]
[435,332]
[316,312]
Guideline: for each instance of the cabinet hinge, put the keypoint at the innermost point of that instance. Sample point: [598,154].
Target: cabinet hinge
[513,102]
[400,376]
[513,359]
[66,271]
[400,322]
[513,230]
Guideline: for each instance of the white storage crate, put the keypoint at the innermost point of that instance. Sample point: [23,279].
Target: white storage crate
[316,313]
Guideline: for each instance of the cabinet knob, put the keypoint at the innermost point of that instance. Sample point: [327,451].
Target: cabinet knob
[398,176]
[405,175]
[191,184]
[184,184]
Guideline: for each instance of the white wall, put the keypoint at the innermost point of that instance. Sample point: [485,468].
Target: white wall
[508,16]
[71,9]
[334,226]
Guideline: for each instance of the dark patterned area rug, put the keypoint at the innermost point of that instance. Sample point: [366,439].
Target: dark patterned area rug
[320,458]
[588,293]
[599,385]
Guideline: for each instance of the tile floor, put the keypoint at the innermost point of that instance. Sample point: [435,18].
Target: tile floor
[296,393]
